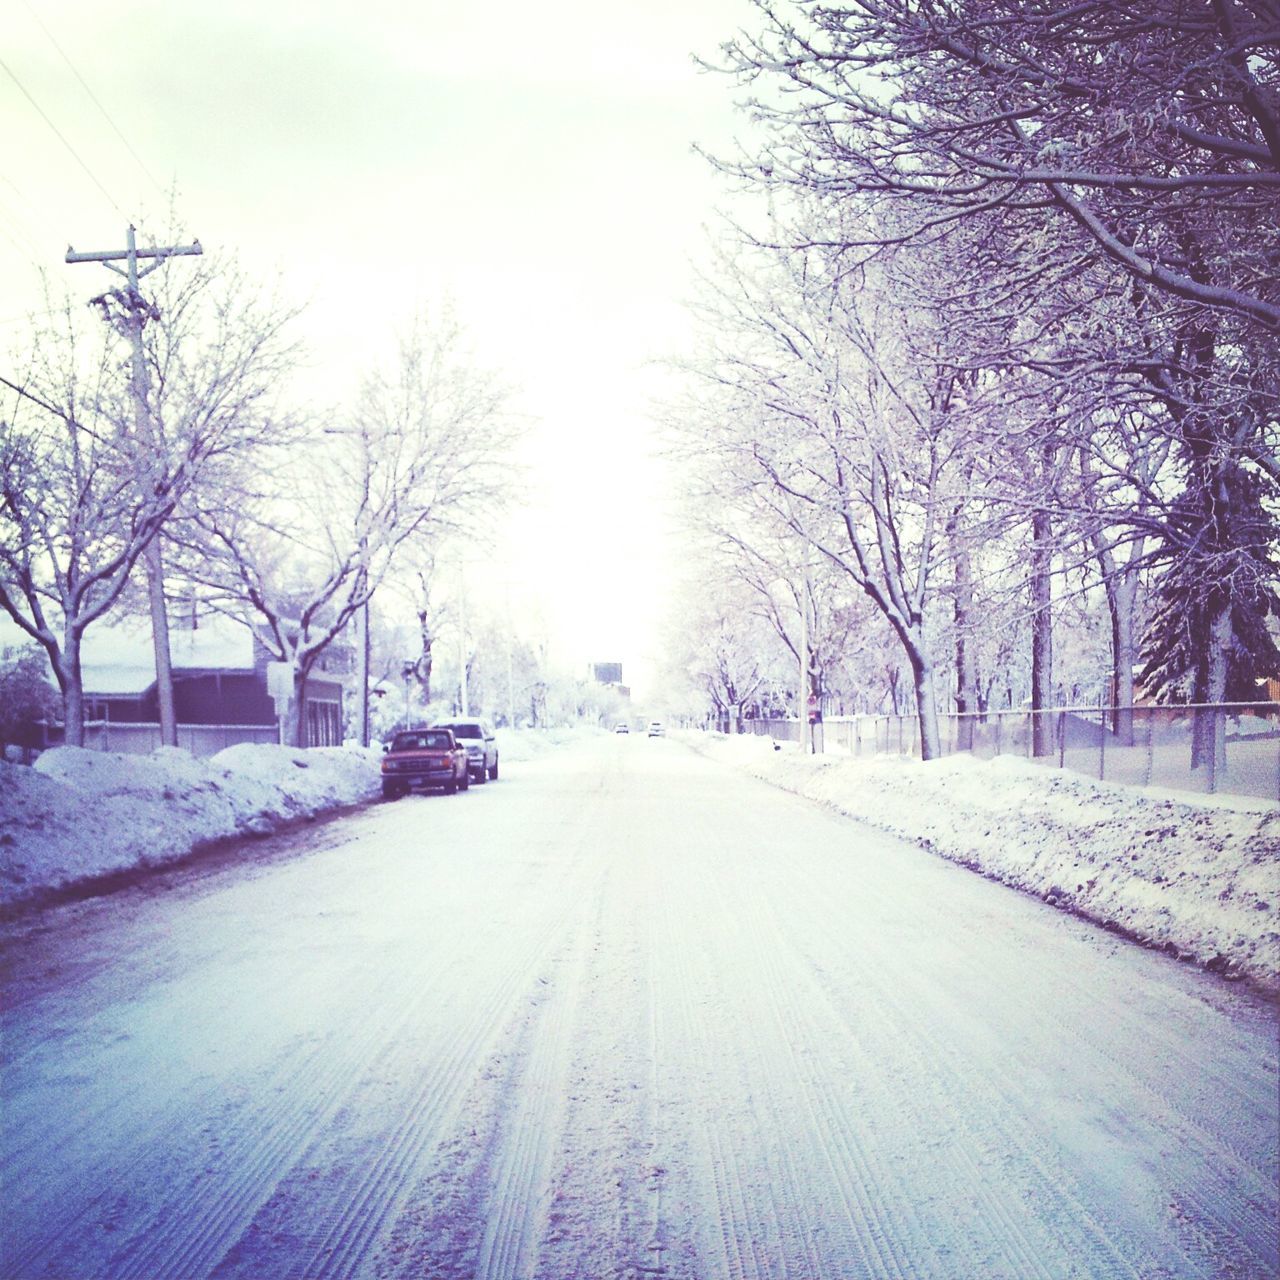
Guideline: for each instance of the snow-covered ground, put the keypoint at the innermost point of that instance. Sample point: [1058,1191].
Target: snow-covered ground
[1196,875]
[628,1012]
[78,814]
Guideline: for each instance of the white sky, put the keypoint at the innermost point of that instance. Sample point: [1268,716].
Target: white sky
[533,162]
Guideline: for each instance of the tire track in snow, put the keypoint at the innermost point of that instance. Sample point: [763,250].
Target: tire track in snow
[153,1084]
[380,1191]
[174,1225]
[362,1230]
[873,1192]
[193,1232]
[873,1199]
[752,1224]
[886,1231]
[936,1075]
[265,1151]
[1097,1241]
[515,1215]
[869,1203]
[571,1166]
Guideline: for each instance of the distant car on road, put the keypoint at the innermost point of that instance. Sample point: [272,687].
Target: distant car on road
[424,758]
[622,727]
[657,729]
[480,744]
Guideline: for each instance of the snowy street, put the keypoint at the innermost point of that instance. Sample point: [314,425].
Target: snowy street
[626,1012]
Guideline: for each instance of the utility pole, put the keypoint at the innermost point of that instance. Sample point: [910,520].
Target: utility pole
[134,313]
[362,632]
[806,733]
[511,699]
[362,639]
[462,643]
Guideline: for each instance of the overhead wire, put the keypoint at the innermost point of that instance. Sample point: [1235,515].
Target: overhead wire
[17,236]
[93,97]
[61,138]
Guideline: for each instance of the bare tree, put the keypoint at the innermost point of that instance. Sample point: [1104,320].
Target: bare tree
[851,432]
[727,662]
[1152,127]
[1135,142]
[82,498]
[430,615]
[424,451]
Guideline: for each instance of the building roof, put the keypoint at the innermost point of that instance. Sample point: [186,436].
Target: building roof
[117,658]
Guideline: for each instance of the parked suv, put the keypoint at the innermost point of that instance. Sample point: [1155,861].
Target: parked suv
[481,746]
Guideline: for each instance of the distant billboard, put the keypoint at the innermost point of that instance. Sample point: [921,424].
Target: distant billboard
[607,672]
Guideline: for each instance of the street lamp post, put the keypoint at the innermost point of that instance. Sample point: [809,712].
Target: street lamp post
[802,703]
[407,672]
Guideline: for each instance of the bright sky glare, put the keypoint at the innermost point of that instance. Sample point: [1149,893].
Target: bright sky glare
[532,162]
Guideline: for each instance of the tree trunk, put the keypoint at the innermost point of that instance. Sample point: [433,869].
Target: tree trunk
[1208,741]
[966,675]
[66,669]
[73,709]
[1041,634]
[891,679]
[1124,653]
[1121,588]
[295,721]
[422,668]
[926,708]
[362,711]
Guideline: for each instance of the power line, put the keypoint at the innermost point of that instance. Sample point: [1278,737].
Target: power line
[17,236]
[9,71]
[25,250]
[8,321]
[8,181]
[93,97]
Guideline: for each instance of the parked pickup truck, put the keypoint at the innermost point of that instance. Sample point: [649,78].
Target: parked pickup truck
[424,758]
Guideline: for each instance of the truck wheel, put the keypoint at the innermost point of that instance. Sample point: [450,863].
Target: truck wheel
[465,783]
[391,791]
[479,778]
[451,787]
[493,773]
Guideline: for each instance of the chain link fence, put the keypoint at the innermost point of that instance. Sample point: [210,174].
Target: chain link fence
[1231,747]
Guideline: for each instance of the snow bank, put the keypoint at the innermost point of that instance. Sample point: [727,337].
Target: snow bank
[78,814]
[1191,874]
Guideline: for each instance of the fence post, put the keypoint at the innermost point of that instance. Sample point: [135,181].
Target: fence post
[1217,734]
[1102,747]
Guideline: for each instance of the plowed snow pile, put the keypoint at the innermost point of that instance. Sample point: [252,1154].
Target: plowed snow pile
[77,814]
[1198,876]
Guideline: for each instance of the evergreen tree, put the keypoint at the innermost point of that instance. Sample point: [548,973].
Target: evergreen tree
[1221,561]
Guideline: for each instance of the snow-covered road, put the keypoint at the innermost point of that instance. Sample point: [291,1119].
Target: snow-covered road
[624,1013]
